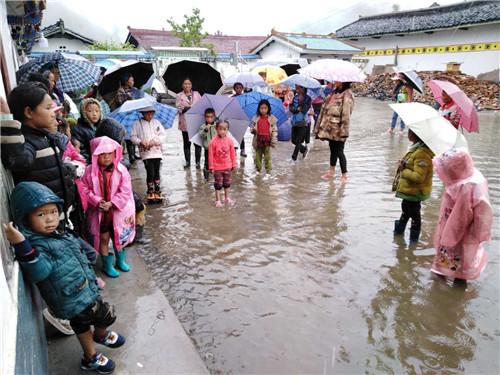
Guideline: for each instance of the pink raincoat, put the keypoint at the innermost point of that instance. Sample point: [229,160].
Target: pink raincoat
[465,218]
[71,155]
[123,210]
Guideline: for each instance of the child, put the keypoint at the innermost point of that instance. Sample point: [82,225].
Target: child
[222,161]
[85,129]
[465,218]
[413,184]
[54,261]
[239,89]
[207,133]
[111,212]
[299,108]
[402,93]
[148,133]
[265,130]
[449,110]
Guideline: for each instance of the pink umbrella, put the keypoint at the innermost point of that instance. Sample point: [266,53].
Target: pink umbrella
[468,114]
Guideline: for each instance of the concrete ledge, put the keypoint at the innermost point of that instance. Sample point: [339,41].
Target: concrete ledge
[156,341]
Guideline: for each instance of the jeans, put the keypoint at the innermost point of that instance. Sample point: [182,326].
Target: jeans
[263,152]
[299,136]
[337,152]
[187,149]
[394,121]
[411,210]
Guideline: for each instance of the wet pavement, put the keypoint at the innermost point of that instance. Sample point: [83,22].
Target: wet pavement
[305,276]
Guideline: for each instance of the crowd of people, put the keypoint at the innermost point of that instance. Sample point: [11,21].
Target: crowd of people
[74,198]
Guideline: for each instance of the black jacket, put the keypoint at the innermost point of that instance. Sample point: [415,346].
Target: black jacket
[36,155]
[83,132]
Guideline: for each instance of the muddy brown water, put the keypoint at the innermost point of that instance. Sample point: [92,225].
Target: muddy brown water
[304,276]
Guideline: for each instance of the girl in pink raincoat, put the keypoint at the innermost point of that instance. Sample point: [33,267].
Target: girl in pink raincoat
[111,208]
[465,218]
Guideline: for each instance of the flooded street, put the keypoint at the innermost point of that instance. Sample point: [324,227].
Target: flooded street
[305,276]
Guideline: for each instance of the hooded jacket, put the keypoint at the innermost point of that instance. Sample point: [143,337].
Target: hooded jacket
[58,264]
[465,218]
[123,209]
[84,131]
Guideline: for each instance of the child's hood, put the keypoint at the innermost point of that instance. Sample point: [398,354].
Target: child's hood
[104,145]
[454,166]
[85,103]
[26,197]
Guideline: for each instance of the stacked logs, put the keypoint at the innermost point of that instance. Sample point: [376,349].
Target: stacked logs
[484,94]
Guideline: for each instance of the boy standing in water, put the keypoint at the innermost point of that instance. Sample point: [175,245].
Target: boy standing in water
[207,133]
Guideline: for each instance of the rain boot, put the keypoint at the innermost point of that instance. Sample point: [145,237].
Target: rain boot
[120,261]
[399,227]
[414,234]
[107,266]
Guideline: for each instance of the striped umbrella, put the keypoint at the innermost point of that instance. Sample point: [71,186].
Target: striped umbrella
[76,71]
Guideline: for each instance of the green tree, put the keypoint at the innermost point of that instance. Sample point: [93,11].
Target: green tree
[191,31]
[111,46]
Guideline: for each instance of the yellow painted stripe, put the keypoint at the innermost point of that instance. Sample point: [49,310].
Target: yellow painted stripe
[452,48]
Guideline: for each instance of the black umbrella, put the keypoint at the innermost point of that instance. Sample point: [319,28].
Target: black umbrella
[205,79]
[141,71]
[291,69]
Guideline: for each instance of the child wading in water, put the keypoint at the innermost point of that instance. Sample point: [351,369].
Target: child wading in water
[207,133]
[111,208]
[222,161]
[465,218]
[265,135]
[148,134]
[413,184]
[55,262]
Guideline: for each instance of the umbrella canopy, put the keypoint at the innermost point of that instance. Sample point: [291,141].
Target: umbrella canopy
[333,70]
[274,74]
[76,71]
[247,79]
[412,78]
[435,131]
[205,79]
[250,101]
[129,112]
[468,115]
[226,108]
[301,80]
[291,68]
[140,70]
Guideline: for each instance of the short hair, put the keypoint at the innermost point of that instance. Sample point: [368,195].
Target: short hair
[266,102]
[209,110]
[29,94]
[238,84]
[220,122]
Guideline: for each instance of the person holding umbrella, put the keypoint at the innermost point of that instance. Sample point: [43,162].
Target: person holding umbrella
[184,101]
[402,93]
[449,110]
[299,108]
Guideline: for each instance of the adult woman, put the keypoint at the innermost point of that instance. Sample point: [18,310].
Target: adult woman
[333,126]
[184,101]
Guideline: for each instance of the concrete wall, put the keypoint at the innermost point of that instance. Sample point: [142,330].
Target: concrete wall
[278,51]
[474,63]
[55,44]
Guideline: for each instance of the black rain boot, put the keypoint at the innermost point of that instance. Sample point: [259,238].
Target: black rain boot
[414,234]
[399,227]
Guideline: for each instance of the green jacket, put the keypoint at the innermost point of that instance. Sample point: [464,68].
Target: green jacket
[415,181]
[207,133]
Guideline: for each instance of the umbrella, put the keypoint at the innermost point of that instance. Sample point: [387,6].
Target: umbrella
[76,71]
[333,70]
[129,112]
[247,79]
[250,101]
[140,70]
[205,79]
[413,80]
[435,131]
[291,68]
[274,74]
[468,114]
[225,107]
[301,80]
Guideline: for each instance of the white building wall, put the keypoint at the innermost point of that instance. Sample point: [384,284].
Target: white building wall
[55,44]
[278,51]
[474,63]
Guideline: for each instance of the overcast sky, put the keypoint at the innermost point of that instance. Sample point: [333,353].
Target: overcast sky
[108,19]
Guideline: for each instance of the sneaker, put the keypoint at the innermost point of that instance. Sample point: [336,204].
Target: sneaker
[111,340]
[229,202]
[99,363]
[61,325]
[218,204]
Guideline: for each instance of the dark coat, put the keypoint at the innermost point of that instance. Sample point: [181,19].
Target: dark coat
[83,132]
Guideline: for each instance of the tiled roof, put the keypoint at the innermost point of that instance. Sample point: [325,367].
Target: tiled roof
[432,18]
[162,38]
[58,29]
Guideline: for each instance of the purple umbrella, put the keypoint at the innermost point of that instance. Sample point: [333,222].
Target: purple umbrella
[225,107]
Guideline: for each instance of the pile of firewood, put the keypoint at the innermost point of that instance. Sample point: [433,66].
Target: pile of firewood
[484,94]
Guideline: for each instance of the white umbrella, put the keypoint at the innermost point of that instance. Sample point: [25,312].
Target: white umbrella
[435,131]
[247,79]
[333,70]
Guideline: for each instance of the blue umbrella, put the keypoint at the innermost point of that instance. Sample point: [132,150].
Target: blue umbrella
[250,101]
[164,113]
[301,80]
[76,71]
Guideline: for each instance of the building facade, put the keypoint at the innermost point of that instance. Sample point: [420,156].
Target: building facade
[427,39]
[62,39]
